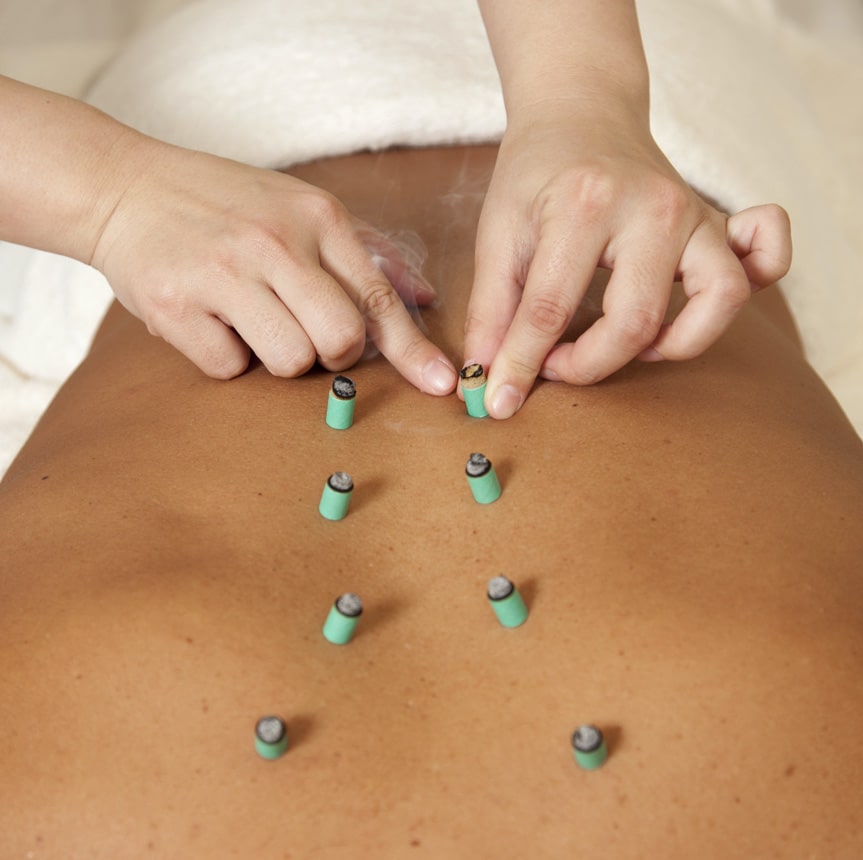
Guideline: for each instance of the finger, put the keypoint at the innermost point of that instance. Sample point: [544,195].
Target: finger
[263,321]
[717,288]
[207,342]
[410,285]
[322,313]
[634,306]
[387,321]
[500,272]
[400,258]
[559,276]
[761,239]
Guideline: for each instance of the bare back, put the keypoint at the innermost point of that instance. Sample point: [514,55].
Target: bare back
[686,537]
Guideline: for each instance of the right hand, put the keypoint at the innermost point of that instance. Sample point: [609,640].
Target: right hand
[572,192]
[220,258]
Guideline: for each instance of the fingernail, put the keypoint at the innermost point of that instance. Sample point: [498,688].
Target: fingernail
[438,376]
[651,354]
[549,374]
[505,402]
[421,293]
[424,288]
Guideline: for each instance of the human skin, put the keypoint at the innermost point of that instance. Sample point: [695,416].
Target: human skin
[686,537]
[217,257]
[222,259]
[579,183]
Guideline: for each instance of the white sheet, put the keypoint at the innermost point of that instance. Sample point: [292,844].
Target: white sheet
[753,100]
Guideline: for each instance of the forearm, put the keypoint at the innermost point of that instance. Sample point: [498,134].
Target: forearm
[64,165]
[588,52]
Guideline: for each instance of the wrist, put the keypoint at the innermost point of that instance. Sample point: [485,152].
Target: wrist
[587,55]
[586,101]
[128,158]
[606,119]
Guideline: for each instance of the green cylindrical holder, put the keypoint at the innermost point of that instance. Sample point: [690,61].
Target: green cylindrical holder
[589,747]
[482,479]
[506,602]
[271,737]
[340,405]
[473,383]
[336,496]
[343,619]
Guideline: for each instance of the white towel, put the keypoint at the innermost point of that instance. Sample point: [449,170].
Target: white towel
[748,103]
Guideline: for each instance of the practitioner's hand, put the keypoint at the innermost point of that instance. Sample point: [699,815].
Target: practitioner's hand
[217,257]
[568,196]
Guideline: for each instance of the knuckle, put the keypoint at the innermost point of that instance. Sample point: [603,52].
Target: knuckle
[583,374]
[638,327]
[257,242]
[778,216]
[595,191]
[732,292]
[591,188]
[672,199]
[167,301]
[411,350]
[341,341]
[475,324]
[671,204]
[586,376]
[291,359]
[225,365]
[263,240]
[548,313]
[485,320]
[327,211]
[377,299]
[520,367]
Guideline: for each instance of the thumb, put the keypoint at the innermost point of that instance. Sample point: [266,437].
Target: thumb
[495,296]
